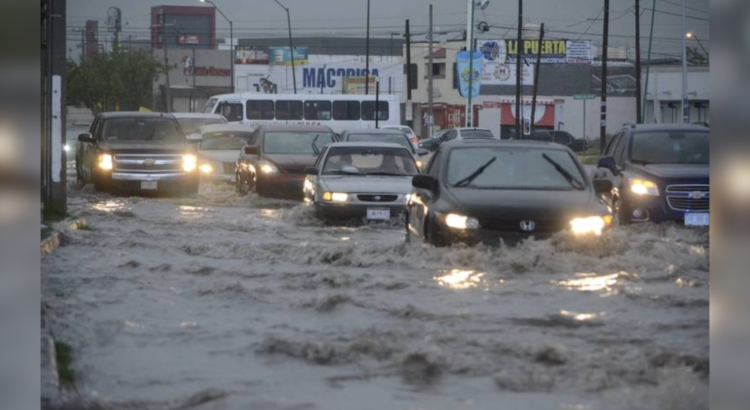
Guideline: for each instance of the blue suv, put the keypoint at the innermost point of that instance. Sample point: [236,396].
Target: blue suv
[658,173]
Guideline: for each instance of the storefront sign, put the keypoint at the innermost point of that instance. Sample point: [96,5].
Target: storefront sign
[189,39]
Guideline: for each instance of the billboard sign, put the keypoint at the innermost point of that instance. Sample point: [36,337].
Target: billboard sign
[283,56]
[252,55]
[469,68]
[505,74]
[553,51]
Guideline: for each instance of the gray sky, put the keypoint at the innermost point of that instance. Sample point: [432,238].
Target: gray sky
[569,19]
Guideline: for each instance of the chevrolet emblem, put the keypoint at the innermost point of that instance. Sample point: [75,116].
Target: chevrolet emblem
[149,162]
[697,195]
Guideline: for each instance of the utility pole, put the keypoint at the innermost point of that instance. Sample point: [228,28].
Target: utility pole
[470,49]
[648,60]
[536,77]
[685,102]
[638,69]
[377,103]
[367,53]
[519,46]
[409,107]
[430,94]
[605,56]
[168,91]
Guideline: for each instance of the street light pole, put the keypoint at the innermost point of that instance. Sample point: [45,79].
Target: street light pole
[291,43]
[685,102]
[231,37]
[470,49]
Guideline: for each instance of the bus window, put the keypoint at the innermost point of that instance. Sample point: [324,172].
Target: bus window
[260,110]
[318,110]
[231,111]
[288,110]
[346,110]
[210,105]
[368,111]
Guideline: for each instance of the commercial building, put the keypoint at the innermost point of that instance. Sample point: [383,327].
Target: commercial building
[664,94]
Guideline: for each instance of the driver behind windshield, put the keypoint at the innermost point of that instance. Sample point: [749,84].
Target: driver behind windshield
[369,161]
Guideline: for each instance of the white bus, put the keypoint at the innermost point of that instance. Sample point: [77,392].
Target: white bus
[336,111]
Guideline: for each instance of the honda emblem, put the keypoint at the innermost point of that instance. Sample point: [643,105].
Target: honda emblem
[528,226]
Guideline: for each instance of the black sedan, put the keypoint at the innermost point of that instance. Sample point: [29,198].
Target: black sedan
[490,191]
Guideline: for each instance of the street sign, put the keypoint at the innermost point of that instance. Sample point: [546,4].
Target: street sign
[585,97]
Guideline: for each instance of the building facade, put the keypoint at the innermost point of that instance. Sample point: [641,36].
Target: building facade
[664,94]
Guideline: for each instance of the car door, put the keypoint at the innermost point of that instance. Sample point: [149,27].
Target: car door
[312,182]
[89,151]
[605,174]
[423,199]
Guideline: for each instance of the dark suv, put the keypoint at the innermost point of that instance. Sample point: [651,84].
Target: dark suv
[132,151]
[659,173]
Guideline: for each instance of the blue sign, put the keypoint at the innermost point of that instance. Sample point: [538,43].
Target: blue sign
[283,56]
[468,70]
[327,77]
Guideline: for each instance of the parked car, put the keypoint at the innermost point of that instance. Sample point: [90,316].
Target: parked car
[456,134]
[191,122]
[406,130]
[369,180]
[659,173]
[489,191]
[385,135]
[133,151]
[220,148]
[274,164]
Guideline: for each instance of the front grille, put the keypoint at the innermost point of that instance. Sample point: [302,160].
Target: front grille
[688,188]
[688,204]
[515,226]
[377,198]
[228,167]
[148,163]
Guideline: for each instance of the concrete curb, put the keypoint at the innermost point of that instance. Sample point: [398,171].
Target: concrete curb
[50,387]
[52,242]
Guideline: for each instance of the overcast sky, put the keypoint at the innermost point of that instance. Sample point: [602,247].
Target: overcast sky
[568,19]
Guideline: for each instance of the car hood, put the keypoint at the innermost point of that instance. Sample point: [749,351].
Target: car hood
[145,146]
[514,204]
[674,171]
[367,184]
[220,156]
[292,162]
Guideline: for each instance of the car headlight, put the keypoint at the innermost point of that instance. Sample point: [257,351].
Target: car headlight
[335,196]
[189,163]
[591,225]
[643,187]
[267,167]
[419,164]
[206,168]
[461,222]
[105,162]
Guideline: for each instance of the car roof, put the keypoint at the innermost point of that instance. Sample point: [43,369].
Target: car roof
[374,131]
[297,128]
[666,127]
[489,143]
[196,115]
[367,144]
[227,128]
[472,129]
[135,114]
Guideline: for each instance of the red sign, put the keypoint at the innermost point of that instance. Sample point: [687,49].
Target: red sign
[189,39]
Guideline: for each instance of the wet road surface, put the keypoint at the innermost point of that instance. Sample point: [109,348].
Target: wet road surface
[221,302]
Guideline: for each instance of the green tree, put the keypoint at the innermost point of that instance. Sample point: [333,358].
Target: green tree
[120,80]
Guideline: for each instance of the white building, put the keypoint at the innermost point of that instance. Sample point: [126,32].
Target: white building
[664,94]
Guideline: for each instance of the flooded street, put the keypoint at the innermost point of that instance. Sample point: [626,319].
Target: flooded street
[222,302]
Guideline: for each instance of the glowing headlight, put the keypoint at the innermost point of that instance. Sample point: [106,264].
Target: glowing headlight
[189,163]
[594,224]
[419,164]
[206,168]
[644,187]
[66,148]
[105,162]
[461,222]
[267,168]
[335,196]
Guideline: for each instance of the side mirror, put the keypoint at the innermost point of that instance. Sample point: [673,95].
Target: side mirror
[602,186]
[422,152]
[610,164]
[250,150]
[311,171]
[86,137]
[424,182]
[194,137]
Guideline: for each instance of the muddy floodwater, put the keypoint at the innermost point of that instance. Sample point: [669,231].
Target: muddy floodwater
[222,302]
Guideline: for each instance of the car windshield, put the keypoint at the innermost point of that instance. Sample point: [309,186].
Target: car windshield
[192,125]
[400,139]
[142,129]
[513,168]
[477,134]
[296,142]
[227,141]
[676,147]
[369,161]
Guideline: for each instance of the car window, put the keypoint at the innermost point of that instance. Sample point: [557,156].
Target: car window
[226,140]
[193,125]
[450,135]
[514,168]
[141,129]
[433,167]
[610,149]
[369,161]
[486,134]
[400,139]
[620,148]
[671,147]
[295,143]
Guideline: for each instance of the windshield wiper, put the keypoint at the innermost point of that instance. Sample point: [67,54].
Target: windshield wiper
[575,183]
[342,171]
[466,181]
[315,147]
[151,135]
[387,174]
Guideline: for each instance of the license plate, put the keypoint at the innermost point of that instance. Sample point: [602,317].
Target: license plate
[378,213]
[697,219]
[149,185]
